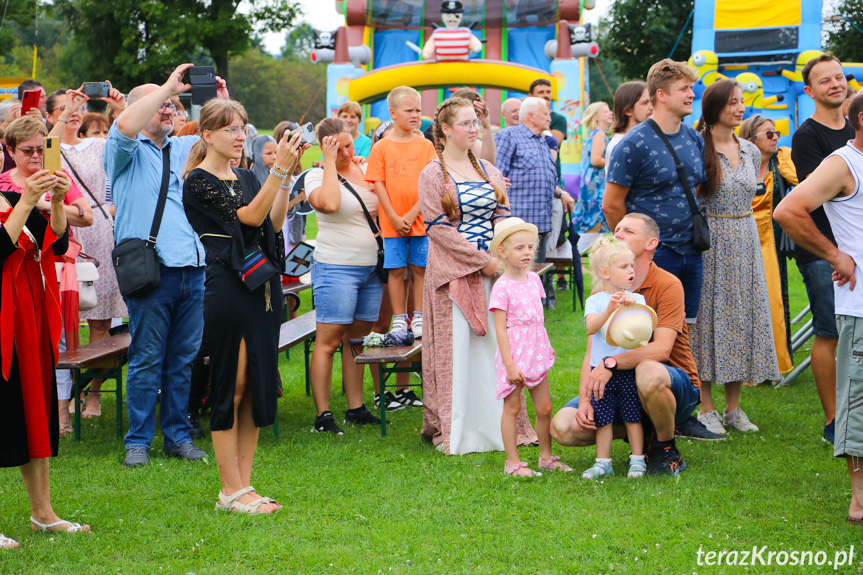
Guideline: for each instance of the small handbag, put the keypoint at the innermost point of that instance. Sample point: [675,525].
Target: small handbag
[256,269]
[379,267]
[134,259]
[700,228]
[87,274]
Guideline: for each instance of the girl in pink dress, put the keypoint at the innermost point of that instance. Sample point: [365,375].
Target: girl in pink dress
[524,354]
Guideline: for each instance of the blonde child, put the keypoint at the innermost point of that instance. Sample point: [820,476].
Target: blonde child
[612,266]
[395,164]
[524,353]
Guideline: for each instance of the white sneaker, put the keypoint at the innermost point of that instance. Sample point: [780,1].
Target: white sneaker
[400,323]
[712,422]
[738,420]
[417,326]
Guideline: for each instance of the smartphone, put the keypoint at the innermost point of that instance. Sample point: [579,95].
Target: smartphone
[203,81]
[308,133]
[31,100]
[97,89]
[51,154]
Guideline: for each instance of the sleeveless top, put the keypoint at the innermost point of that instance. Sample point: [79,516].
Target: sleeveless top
[846,220]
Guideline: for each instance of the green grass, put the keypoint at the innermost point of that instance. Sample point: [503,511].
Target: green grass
[365,504]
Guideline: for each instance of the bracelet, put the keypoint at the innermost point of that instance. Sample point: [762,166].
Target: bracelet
[62,120]
[278,172]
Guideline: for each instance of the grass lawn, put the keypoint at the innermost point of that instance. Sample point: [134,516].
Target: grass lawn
[365,504]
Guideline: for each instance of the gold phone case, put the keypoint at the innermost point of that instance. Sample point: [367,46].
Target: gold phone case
[51,154]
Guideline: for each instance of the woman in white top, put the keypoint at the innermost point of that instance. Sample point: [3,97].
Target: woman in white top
[346,286]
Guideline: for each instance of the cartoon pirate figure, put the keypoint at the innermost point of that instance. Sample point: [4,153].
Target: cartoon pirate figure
[453,41]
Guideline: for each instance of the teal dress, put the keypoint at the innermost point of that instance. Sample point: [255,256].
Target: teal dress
[588,208]
[362,146]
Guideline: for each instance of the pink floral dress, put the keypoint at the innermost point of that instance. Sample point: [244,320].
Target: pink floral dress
[525,328]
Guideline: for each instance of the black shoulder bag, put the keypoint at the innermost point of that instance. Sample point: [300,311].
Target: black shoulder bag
[700,229]
[379,268]
[135,259]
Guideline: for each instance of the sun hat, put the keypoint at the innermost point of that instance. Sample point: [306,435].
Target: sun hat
[508,227]
[630,326]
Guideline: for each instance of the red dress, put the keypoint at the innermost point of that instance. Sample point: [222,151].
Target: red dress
[29,333]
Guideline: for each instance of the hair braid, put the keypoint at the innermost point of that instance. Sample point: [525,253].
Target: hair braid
[499,195]
[442,117]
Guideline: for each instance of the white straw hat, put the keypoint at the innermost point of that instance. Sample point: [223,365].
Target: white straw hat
[630,326]
[508,227]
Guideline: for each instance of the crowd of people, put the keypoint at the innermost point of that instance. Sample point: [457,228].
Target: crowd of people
[432,232]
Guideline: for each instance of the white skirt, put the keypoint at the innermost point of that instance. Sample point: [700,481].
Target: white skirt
[475,411]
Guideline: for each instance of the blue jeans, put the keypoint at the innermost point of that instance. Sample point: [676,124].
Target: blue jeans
[688,269]
[166,327]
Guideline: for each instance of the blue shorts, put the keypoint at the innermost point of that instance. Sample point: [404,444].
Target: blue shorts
[686,396]
[689,270]
[619,400]
[397,250]
[818,278]
[344,294]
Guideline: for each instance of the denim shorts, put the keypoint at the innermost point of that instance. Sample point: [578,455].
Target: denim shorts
[818,278]
[689,270]
[344,294]
[686,396]
[397,250]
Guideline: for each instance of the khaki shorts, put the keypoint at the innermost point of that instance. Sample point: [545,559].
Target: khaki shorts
[849,387]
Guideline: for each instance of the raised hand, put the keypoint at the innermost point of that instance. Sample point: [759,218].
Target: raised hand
[329,149]
[174,84]
[115,98]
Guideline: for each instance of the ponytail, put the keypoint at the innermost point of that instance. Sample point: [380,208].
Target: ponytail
[196,156]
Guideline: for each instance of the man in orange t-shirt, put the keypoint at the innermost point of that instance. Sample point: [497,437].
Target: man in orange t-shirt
[394,167]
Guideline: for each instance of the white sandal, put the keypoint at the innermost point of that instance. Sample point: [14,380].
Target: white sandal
[231,502]
[73,527]
[7,543]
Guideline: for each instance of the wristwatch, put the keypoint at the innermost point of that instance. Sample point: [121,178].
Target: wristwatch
[610,363]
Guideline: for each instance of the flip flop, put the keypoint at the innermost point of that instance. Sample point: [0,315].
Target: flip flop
[7,542]
[73,527]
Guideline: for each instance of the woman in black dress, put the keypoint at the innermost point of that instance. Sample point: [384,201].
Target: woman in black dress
[236,218]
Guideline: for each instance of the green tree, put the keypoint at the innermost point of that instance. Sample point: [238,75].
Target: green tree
[641,32]
[844,37]
[299,42]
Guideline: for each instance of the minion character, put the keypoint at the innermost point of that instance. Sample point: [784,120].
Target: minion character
[706,63]
[796,77]
[753,93]
[853,83]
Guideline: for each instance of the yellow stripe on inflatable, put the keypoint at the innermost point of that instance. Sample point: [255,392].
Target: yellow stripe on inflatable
[749,14]
[376,84]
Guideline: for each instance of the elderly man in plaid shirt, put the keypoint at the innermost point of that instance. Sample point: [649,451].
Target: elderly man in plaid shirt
[525,158]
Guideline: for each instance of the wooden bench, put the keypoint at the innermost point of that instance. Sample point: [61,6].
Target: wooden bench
[387,359]
[103,359]
[301,329]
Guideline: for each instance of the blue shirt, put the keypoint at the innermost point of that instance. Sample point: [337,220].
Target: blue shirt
[525,159]
[641,162]
[362,146]
[134,168]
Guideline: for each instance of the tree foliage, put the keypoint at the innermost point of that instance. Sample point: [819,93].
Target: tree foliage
[299,42]
[844,38]
[642,32]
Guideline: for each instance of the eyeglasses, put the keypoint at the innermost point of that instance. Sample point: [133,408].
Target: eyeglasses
[81,108]
[469,124]
[235,131]
[31,151]
[181,114]
[771,134]
[167,107]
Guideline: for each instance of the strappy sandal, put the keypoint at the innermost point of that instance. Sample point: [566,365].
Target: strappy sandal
[7,543]
[73,527]
[231,502]
[553,464]
[514,469]
[67,429]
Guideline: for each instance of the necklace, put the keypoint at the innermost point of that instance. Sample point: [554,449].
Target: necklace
[451,166]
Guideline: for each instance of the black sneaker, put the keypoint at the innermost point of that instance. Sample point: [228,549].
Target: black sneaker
[326,423]
[561,284]
[665,459]
[197,429]
[392,404]
[694,429]
[408,398]
[361,416]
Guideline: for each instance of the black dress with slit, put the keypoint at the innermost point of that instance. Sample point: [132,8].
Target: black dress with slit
[232,312]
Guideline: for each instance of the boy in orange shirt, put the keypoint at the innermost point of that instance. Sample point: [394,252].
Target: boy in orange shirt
[394,167]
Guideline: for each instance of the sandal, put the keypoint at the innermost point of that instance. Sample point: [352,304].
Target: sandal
[73,527]
[67,429]
[231,502]
[848,520]
[7,543]
[553,464]
[514,469]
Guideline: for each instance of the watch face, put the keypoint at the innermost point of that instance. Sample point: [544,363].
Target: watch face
[610,362]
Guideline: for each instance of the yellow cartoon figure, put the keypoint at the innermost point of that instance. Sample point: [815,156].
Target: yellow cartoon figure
[706,63]
[753,93]
[797,75]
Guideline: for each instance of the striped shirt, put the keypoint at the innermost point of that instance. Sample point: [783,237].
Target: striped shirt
[452,43]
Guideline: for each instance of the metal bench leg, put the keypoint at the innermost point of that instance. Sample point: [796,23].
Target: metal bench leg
[307,345]
[76,394]
[276,424]
[382,375]
[119,393]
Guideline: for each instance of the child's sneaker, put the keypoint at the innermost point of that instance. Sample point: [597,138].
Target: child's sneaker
[326,423]
[408,398]
[417,326]
[390,401]
[400,323]
[600,469]
[637,466]
[361,416]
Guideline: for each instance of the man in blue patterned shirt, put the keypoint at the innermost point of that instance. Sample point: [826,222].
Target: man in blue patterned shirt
[642,176]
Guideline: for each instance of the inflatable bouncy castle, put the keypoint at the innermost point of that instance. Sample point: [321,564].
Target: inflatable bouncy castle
[497,47]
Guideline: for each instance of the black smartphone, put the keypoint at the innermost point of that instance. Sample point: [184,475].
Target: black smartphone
[97,89]
[203,81]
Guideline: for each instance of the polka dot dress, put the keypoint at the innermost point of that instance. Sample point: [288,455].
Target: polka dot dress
[620,398]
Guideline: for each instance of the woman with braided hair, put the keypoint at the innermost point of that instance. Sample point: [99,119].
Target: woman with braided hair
[461,199]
